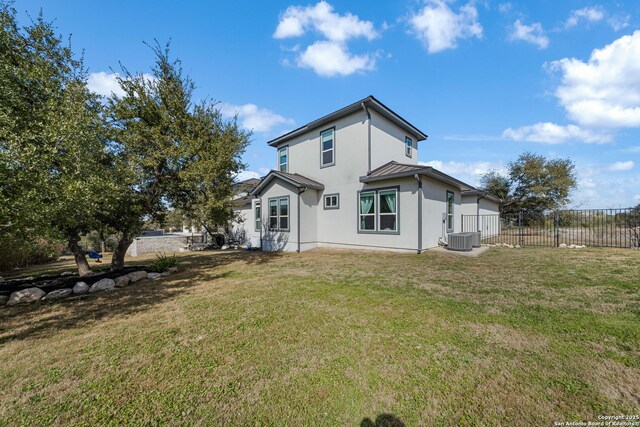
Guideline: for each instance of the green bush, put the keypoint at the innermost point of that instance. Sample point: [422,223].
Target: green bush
[16,252]
[163,263]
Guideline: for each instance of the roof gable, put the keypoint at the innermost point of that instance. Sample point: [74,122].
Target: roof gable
[294,179]
[369,102]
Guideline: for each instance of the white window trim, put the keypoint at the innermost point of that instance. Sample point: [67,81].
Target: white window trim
[332,149]
[327,196]
[286,163]
[408,146]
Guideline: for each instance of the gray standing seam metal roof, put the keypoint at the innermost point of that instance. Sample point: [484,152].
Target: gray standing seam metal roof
[370,102]
[394,169]
[295,179]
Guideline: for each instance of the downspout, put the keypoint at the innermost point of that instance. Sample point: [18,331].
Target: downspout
[366,110]
[419,179]
[300,191]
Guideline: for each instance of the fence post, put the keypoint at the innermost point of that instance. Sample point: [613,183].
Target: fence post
[556,227]
[521,242]
[462,223]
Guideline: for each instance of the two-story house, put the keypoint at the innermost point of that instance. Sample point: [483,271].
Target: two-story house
[351,179]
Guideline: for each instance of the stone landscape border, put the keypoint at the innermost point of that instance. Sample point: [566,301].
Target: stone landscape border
[34,294]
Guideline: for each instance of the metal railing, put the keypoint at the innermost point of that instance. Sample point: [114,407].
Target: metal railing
[619,228]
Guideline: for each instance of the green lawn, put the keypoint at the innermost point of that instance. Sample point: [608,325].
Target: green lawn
[513,337]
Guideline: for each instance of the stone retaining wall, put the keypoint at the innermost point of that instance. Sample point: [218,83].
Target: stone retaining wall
[168,244]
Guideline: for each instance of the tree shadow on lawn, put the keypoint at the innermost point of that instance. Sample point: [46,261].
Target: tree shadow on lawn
[44,318]
[383,420]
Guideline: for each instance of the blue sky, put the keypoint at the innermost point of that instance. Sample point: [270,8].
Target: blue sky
[486,80]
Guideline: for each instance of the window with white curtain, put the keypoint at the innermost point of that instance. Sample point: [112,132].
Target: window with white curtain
[388,216]
[367,209]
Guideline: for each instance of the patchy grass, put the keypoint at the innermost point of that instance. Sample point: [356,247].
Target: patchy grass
[514,337]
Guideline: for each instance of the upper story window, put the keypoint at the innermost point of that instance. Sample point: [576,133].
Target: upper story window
[450,204]
[283,159]
[408,146]
[327,148]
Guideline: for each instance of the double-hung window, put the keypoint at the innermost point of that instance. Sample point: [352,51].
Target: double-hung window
[327,148]
[408,146]
[283,159]
[388,216]
[279,214]
[257,212]
[450,204]
[367,211]
[378,211]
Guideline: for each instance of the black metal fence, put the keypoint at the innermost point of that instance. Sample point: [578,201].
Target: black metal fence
[619,228]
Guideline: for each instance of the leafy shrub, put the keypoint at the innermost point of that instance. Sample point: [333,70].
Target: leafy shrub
[19,252]
[163,263]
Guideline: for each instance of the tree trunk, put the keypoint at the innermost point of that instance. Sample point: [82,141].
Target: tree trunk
[78,255]
[117,261]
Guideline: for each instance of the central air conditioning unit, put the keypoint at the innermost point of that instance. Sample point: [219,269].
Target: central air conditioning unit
[476,239]
[460,242]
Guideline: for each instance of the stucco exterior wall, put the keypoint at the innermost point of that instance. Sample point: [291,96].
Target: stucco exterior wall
[434,207]
[388,143]
[489,221]
[246,223]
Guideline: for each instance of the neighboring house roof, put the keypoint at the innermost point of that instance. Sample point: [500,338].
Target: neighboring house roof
[482,194]
[393,169]
[294,179]
[369,102]
[246,186]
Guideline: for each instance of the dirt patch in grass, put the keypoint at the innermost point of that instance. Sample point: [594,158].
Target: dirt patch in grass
[617,382]
[509,338]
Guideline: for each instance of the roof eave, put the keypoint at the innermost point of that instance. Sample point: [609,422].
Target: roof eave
[370,101]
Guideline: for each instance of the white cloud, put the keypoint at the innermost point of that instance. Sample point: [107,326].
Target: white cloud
[619,22]
[439,28]
[632,149]
[296,21]
[328,59]
[605,90]
[245,175]
[469,172]
[621,166]
[533,33]
[599,188]
[588,14]
[551,133]
[331,56]
[253,117]
[104,84]
[596,14]
[504,7]
[600,96]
